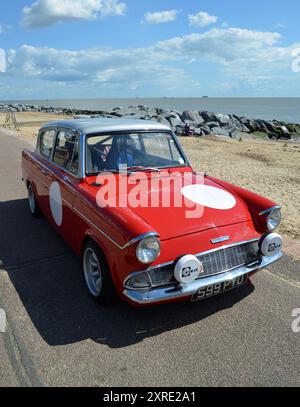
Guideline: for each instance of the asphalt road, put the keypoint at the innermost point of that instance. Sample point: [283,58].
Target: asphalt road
[56,335]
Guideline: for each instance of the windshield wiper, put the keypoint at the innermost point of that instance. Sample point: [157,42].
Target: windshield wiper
[140,167]
[129,170]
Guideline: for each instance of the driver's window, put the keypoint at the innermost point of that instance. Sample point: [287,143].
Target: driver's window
[66,153]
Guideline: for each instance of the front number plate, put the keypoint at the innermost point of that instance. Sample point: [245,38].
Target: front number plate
[219,288]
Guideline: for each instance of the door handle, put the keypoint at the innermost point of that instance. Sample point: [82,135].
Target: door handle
[44,172]
[66,179]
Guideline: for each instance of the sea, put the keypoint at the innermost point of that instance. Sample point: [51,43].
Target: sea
[284,109]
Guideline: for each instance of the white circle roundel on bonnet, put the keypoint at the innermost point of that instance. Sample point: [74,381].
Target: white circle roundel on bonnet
[215,198]
[56,202]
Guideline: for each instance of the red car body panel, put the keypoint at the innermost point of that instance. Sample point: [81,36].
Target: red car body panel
[112,228]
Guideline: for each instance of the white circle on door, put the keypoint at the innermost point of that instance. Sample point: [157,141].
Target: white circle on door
[208,196]
[56,202]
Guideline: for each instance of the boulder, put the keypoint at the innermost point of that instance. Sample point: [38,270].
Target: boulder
[231,129]
[191,116]
[234,121]
[142,107]
[266,126]
[223,118]
[220,132]
[206,130]
[250,124]
[212,124]
[174,121]
[179,130]
[285,132]
[208,116]
[198,132]
[163,120]
[163,112]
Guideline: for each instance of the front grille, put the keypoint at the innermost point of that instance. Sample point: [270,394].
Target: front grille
[162,275]
[229,258]
[215,262]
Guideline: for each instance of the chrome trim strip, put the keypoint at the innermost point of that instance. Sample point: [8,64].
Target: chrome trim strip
[141,237]
[67,203]
[136,239]
[269,210]
[167,293]
[40,180]
[96,227]
[228,246]
[220,239]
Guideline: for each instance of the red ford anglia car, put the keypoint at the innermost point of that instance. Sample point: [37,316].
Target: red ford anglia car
[147,227]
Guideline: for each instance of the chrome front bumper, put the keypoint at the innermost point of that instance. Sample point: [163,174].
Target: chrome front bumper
[171,293]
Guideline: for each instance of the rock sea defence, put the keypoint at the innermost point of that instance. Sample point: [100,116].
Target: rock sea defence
[193,123]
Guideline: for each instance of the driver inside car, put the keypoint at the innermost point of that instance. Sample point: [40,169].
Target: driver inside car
[127,152]
[123,152]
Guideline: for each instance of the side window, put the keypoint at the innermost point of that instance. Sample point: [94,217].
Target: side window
[66,153]
[46,143]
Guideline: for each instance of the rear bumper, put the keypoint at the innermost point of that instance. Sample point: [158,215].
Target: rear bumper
[170,293]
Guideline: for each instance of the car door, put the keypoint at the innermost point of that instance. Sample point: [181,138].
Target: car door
[42,171]
[64,184]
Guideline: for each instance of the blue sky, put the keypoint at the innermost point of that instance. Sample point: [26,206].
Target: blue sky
[149,48]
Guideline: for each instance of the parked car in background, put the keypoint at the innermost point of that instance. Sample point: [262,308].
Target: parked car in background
[153,253]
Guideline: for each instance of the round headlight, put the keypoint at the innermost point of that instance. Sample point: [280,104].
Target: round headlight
[273,220]
[148,250]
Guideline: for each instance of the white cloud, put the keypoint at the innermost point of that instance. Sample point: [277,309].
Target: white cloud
[223,45]
[201,19]
[105,68]
[43,13]
[159,17]
[243,56]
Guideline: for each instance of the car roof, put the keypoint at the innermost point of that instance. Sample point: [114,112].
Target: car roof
[94,125]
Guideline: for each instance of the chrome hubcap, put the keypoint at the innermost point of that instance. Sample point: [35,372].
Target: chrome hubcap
[31,199]
[92,271]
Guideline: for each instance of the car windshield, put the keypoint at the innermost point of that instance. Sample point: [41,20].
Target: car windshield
[136,151]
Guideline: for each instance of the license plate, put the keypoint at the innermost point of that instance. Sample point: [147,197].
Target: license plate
[219,288]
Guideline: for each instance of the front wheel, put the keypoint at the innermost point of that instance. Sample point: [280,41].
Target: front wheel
[33,207]
[97,275]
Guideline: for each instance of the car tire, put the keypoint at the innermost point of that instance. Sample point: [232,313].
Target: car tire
[32,203]
[97,275]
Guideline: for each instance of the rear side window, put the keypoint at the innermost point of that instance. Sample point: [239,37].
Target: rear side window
[46,143]
[66,152]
